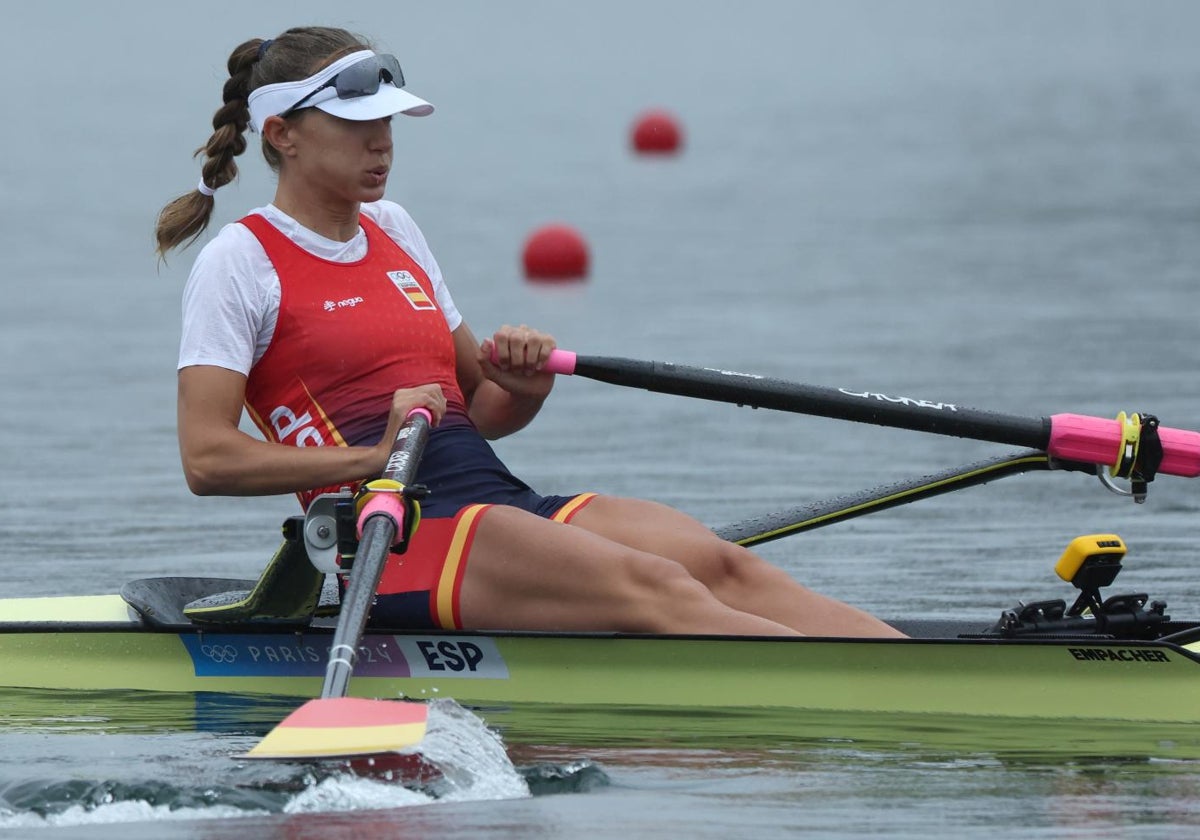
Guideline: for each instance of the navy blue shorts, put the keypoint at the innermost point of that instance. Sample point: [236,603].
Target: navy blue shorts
[460,468]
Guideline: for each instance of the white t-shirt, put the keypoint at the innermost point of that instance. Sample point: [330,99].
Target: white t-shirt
[231,300]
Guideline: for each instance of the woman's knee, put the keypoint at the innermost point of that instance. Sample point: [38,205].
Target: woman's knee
[659,583]
[650,572]
[724,565]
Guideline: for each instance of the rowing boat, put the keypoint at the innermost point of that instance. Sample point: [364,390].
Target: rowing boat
[1091,658]
[94,643]
[1051,659]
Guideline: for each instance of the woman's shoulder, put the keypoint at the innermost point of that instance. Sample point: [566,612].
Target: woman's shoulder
[234,243]
[232,260]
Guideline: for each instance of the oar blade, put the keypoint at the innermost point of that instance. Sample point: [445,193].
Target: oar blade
[344,727]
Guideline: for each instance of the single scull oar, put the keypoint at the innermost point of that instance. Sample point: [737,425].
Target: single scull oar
[1134,446]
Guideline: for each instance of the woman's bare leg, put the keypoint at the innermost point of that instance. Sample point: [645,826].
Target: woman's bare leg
[529,573]
[737,576]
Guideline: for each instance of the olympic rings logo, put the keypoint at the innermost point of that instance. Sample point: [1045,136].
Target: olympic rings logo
[220,653]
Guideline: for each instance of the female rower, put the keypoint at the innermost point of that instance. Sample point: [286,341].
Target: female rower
[325,314]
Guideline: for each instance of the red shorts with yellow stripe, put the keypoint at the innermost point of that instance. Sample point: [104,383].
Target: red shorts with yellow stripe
[419,590]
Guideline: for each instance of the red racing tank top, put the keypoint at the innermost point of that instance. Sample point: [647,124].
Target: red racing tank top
[347,336]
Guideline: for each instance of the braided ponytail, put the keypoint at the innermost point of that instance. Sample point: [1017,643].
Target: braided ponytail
[186,217]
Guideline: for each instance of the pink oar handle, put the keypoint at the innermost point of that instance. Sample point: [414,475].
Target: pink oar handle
[1094,440]
[388,504]
[560,361]
[1181,452]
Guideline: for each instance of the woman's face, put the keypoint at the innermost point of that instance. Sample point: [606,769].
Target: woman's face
[338,159]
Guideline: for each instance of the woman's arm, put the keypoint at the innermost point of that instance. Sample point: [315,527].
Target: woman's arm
[503,397]
[219,458]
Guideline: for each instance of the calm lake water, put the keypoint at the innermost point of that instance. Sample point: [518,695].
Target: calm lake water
[988,203]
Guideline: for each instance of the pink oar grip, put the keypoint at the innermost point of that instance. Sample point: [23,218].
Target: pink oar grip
[1181,452]
[1094,440]
[560,361]
[1077,437]
[389,504]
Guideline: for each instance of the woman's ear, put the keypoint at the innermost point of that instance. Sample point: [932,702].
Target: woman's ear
[278,132]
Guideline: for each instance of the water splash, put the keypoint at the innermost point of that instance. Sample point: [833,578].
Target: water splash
[348,792]
[115,812]
[460,760]
[472,759]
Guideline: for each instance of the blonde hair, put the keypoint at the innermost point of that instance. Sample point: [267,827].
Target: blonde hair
[296,54]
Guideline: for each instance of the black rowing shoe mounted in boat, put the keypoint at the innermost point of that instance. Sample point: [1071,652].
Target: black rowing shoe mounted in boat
[1089,563]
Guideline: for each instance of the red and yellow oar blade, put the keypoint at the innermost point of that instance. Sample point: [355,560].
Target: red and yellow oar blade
[340,727]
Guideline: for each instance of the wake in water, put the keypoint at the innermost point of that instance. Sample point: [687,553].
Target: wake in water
[460,760]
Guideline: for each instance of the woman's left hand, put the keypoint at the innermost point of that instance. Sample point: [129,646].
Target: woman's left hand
[519,355]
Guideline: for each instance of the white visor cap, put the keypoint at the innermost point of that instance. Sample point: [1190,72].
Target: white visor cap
[272,100]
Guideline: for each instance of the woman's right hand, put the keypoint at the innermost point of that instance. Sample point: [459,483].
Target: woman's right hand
[404,400]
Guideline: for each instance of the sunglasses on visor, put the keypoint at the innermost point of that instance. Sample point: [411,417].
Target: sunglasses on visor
[359,79]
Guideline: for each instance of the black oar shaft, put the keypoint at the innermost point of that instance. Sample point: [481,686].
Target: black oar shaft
[377,538]
[838,403]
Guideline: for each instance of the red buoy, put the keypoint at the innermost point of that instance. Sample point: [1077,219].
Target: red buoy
[555,252]
[656,133]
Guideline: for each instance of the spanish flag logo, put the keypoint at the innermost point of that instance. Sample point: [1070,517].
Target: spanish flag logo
[411,289]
